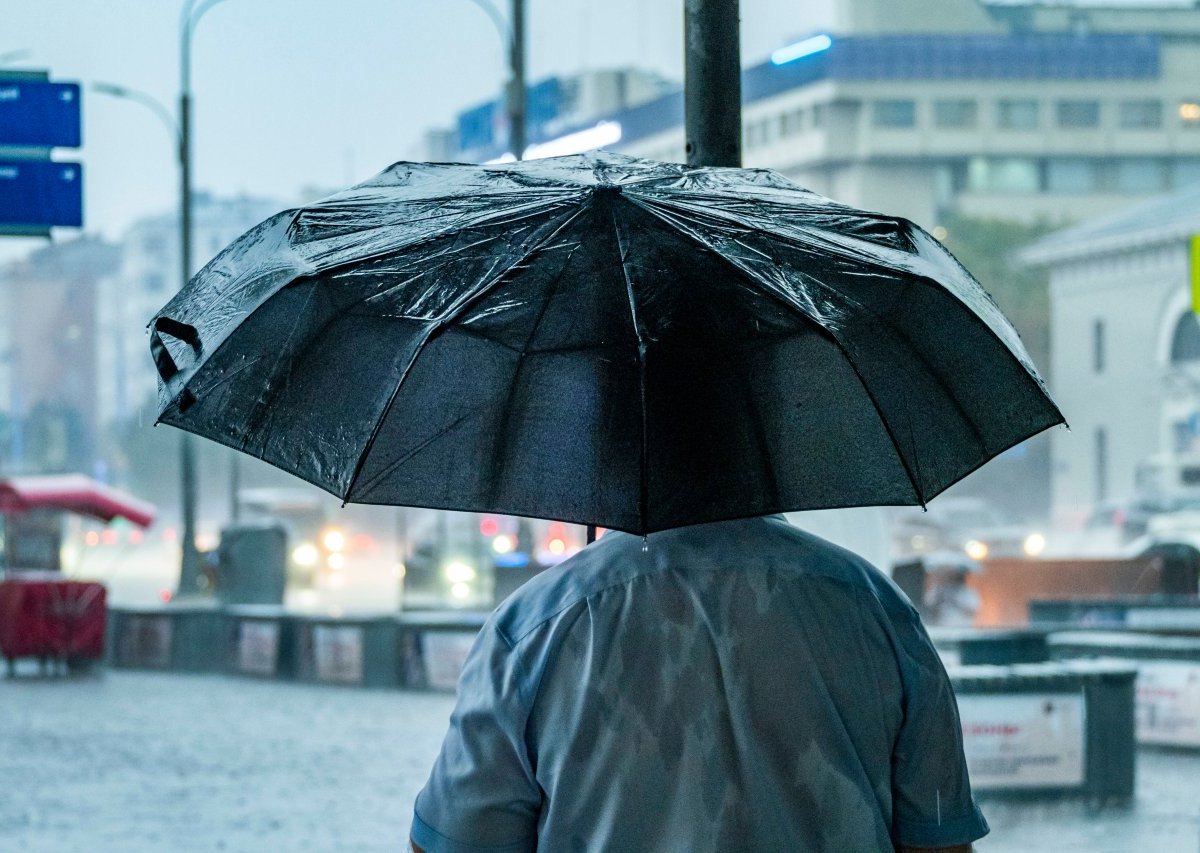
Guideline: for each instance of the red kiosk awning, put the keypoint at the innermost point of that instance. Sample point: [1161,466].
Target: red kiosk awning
[72,493]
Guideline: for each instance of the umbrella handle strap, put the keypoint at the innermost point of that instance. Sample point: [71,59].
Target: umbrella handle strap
[168,370]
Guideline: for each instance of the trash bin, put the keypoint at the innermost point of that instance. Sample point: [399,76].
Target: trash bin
[252,564]
[1056,727]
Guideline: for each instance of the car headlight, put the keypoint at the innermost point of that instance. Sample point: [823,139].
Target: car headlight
[459,572]
[976,550]
[305,555]
[1035,544]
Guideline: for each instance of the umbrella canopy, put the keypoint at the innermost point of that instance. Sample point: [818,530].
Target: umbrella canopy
[72,493]
[599,339]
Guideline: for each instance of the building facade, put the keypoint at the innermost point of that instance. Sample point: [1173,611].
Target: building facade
[48,389]
[146,277]
[1125,349]
[1029,111]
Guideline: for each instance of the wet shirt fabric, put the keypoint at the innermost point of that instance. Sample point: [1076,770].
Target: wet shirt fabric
[741,685]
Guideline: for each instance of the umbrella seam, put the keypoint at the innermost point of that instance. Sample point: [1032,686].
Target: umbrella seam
[434,329]
[750,276]
[506,410]
[644,490]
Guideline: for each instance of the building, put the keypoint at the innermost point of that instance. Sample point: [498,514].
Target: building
[145,278]
[1027,110]
[48,389]
[1125,348]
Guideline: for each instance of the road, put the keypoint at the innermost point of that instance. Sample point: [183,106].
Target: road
[129,761]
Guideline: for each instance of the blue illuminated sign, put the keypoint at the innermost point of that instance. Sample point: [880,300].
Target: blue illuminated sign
[37,113]
[40,194]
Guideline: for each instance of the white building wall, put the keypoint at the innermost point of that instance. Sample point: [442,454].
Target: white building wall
[1138,295]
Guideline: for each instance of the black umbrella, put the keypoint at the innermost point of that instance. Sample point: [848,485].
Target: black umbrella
[598,339]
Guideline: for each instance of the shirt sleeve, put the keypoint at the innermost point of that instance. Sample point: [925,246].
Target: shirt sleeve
[931,793]
[482,796]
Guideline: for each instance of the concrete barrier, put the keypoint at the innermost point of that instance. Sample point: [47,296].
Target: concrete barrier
[186,637]
[260,641]
[358,650]
[969,646]
[433,647]
[1157,613]
[1168,681]
[1055,727]
[1007,586]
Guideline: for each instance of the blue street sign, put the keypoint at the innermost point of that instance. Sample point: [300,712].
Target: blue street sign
[38,113]
[40,193]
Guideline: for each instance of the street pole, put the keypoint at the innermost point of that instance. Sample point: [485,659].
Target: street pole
[190,577]
[516,83]
[712,89]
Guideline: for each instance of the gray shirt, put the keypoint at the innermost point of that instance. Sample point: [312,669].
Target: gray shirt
[741,685]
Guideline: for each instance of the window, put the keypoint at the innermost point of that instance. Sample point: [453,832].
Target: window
[793,122]
[154,244]
[1140,115]
[1098,346]
[1185,172]
[1185,342]
[1072,176]
[1017,114]
[1003,175]
[1189,113]
[1139,175]
[1101,464]
[1077,114]
[819,112]
[894,113]
[957,113]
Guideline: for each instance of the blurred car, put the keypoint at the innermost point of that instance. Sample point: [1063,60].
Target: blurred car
[971,526]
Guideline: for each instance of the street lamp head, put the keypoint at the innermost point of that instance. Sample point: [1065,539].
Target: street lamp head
[110,89]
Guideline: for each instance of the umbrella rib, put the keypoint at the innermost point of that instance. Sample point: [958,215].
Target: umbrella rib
[434,328]
[644,488]
[506,411]
[750,276]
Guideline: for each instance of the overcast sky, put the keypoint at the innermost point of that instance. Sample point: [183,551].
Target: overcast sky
[295,93]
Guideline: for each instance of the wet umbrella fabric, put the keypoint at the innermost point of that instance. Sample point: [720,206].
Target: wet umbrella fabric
[598,339]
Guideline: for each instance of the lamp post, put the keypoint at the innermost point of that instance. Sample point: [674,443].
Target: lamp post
[512,33]
[189,15]
[191,11]
[712,83]
[189,569]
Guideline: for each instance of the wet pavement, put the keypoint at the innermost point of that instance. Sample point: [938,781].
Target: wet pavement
[129,761]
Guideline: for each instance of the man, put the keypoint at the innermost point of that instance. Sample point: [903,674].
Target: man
[735,686]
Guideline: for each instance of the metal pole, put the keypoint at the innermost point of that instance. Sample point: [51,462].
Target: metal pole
[516,85]
[712,83]
[189,569]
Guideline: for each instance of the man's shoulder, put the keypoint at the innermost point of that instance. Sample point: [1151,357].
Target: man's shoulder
[613,560]
[619,558]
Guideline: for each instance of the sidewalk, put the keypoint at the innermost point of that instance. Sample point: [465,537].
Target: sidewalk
[129,761]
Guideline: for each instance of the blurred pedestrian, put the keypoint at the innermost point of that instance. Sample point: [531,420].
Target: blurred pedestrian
[735,686]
